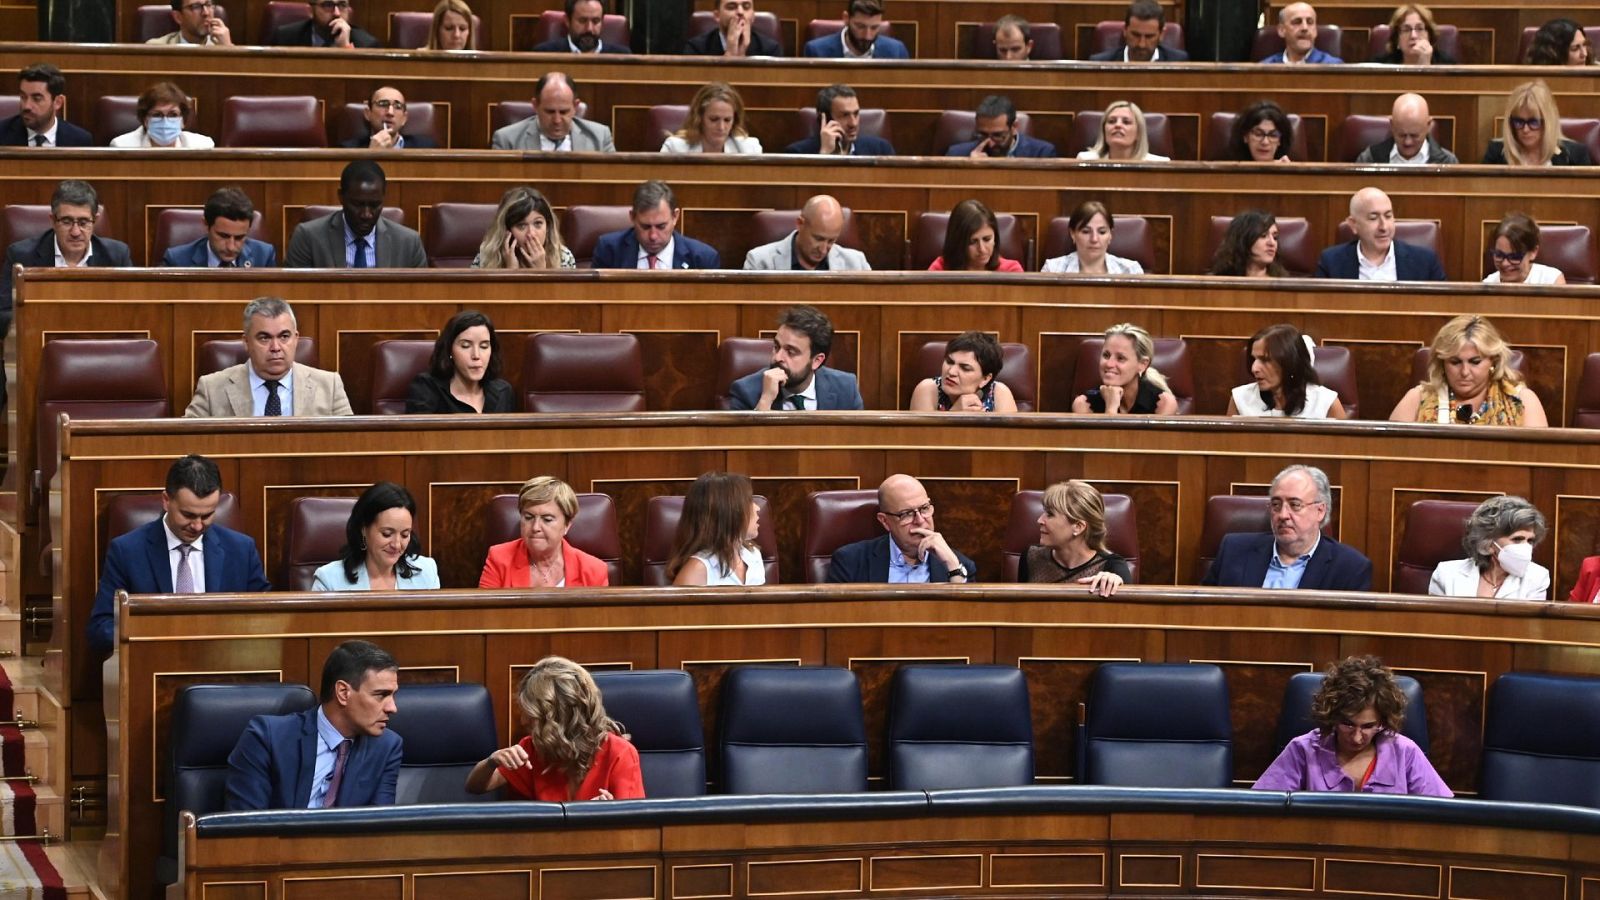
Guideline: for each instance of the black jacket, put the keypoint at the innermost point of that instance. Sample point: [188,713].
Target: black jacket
[15,134]
[298,34]
[430,395]
[710,44]
[1571,153]
[413,141]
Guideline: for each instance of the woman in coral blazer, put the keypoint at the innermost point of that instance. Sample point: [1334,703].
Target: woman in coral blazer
[541,557]
[1588,581]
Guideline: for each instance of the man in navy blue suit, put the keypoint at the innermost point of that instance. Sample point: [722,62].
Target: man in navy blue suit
[586,20]
[227,243]
[340,753]
[911,553]
[1296,554]
[859,38]
[1375,255]
[651,242]
[41,90]
[839,132]
[182,552]
[997,136]
[797,378]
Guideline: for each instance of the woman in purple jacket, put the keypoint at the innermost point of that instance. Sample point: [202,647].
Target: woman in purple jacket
[1357,745]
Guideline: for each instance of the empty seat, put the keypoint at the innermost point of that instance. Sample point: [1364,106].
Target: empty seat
[593,530]
[448,729]
[765,23]
[420,119]
[1586,409]
[214,356]
[28,220]
[661,517]
[659,711]
[94,379]
[792,731]
[1541,740]
[272,122]
[1570,248]
[1419,363]
[1296,250]
[665,120]
[454,231]
[181,225]
[1108,36]
[1336,369]
[115,115]
[1448,42]
[1417,232]
[583,226]
[408,30]
[928,242]
[834,519]
[1357,133]
[280,13]
[769,225]
[1171,360]
[207,720]
[1433,535]
[1295,717]
[156,21]
[1017,371]
[736,358]
[565,373]
[1022,531]
[959,727]
[1131,238]
[1585,132]
[1267,42]
[1229,514]
[1086,131]
[394,365]
[313,538]
[553,26]
[1158,725]
[958,125]
[1046,37]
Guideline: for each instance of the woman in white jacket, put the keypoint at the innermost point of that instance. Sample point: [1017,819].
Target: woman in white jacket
[164,111]
[715,124]
[1500,538]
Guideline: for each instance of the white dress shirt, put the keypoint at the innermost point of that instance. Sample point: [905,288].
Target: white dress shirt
[49,135]
[61,261]
[1115,265]
[1459,578]
[786,400]
[1384,271]
[564,145]
[1421,159]
[663,259]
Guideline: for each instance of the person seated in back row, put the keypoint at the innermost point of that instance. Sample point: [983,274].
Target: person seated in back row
[1410,141]
[554,126]
[797,379]
[996,135]
[735,35]
[839,128]
[1013,41]
[1142,26]
[1297,25]
[227,243]
[385,116]
[586,20]
[41,96]
[198,26]
[1295,554]
[381,549]
[813,246]
[911,552]
[165,113]
[356,236]
[1129,382]
[1375,254]
[860,37]
[652,241]
[328,25]
[968,380]
[1470,381]
[971,242]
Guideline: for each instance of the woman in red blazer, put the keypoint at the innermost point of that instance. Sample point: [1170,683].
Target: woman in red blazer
[542,557]
[1588,581]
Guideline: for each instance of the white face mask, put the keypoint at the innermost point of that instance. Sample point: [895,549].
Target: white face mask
[1515,558]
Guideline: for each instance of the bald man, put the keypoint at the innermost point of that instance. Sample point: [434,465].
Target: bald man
[813,245]
[1297,25]
[1408,143]
[911,552]
[1375,255]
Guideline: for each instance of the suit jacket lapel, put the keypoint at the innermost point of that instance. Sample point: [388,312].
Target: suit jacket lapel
[308,758]
[197,254]
[156,553]
[380,242]
[824,390]
[44,250]
[1259,560]
[302,391]
[214,563]
[878,560]
[238,391]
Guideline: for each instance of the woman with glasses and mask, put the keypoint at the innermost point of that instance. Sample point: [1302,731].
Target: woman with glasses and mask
[1262,133]
[1516,246]
[1413,39]
[1531,132]
[1470,381]
[163,110]
[1357,746]
[1500,538]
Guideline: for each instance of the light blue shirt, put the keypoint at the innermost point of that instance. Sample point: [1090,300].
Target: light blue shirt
[328,741]
[331,577]
[258,392]
[902,572]
[1287,577]
[371,251]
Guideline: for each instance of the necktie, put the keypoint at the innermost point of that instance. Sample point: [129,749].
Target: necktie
[185,580]
[361,254]
[655,261]
[38,140]
[274,405]
[798,400]
[332,796]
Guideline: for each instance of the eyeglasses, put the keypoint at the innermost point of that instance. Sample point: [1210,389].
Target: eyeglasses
[70,222]
[1295,504]
[396,105]
[1364,727]
[332,5]
[1270,137]
[171,114]
[906,515]
[1514,258]
[992,135]
[1533,124]
[1413,29]
[196,7]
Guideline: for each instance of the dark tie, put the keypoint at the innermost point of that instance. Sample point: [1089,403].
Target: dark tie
[361,254]
[332,797]
[38,140]
[798,400]
[274,405]
[185,580]
[232,264]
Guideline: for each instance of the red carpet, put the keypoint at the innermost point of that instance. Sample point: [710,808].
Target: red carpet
[26,873]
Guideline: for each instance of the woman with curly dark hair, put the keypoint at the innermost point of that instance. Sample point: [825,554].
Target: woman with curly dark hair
[1262,133]
[1250,247]
[1560,42]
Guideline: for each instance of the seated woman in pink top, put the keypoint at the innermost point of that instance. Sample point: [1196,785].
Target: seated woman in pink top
[970,242]
[1357,745]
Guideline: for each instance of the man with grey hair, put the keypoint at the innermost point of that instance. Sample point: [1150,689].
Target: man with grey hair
[70,242]
[1295,554]
[813,245]
[555,125]
[270,382]
[652,242]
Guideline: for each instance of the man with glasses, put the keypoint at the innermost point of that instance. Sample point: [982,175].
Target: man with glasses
[1375,254]
[198,26]
[70,243]
[1295,554]
[1408,144]
[386,117]
[996,135]
[329,26]
[911,553]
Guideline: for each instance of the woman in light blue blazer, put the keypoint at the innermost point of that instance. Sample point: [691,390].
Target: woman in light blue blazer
[381,550]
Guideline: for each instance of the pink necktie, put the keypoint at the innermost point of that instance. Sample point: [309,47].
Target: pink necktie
[332,797]
[185,581]
[655,262]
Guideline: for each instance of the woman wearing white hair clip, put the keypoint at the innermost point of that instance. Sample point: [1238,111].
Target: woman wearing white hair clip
[1286,381]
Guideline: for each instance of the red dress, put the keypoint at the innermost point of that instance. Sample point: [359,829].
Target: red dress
[1006,265]
[615,768]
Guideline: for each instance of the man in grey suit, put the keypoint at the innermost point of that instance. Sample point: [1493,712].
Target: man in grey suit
[357,236]
[554,125]
[270,383]
[797,378]
[813,245]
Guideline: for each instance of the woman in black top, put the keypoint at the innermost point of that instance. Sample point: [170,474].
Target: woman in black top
[464,373]
[1072,542]
[1413,39]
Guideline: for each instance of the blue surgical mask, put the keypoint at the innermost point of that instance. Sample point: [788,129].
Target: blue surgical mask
[163,131]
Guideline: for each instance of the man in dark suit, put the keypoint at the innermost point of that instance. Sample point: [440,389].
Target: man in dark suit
[386,120]
[41,90]
[797,378]
[357,236]
[1141,37]
[997,135]
[1375,255]
[585,21]
[340,753]
[651,243]
[182,552]
[859,38]
[329,26]
[839,134]
[1296,554]
[70,242]
[227,243]
[735,34]
[911,553]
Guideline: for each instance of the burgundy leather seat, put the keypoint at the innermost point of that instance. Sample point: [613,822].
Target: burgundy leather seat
[553,24]
[769,225]
[272,122]
[1229,514]
[1086,131]
[454,231]
[510,112]
[1585,132]
[1337,370]
[1448,42]
[874,122]
[594,528]
[1570,248]
[280,13]
[1296,250]
[1526,42]
[216,355]
[1417,232]
[665,120]
[1017,371]
[1419,363]
[314,537]
[125,512]
[582,373]
[1108,36]
[1586,410]
[1357,133]
[1267,41]
[1022,531]
[181,224]
[928,242]
[409,30]
[421,118]
[29,220]
[1171,360]
[1433,535]
[95,379]
[736,358]
[1220,129]
[156,20]
[834,519]
[583,226]
[660,532]
[316,211]
[394,365]
[1046,37]
[116,114]
[1130,239]
[957,125]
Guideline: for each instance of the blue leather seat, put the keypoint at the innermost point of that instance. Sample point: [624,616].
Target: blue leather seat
[792,731]
[959,727]
[448,729]
[1541,740]
[1295,717]
[660,711]
[1157,725]
[207,720]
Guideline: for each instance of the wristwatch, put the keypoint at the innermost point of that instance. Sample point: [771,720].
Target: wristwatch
[962,571]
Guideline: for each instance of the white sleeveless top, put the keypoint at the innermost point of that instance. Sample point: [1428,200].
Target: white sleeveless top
[1538,273]
[1319,399]
[755,569]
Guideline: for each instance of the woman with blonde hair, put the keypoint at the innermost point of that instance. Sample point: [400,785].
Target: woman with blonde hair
[573,750]
[716,540]
[452,26]
[1129,384]
[1530,135]
[1471,382]
[524,235]
[1072,542]
[1413,39]
[715,124]
[541,556]
[1123,136]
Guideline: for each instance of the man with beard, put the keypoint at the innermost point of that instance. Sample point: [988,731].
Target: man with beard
[797,378]
[585,18]
[860,37]
[41,90]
